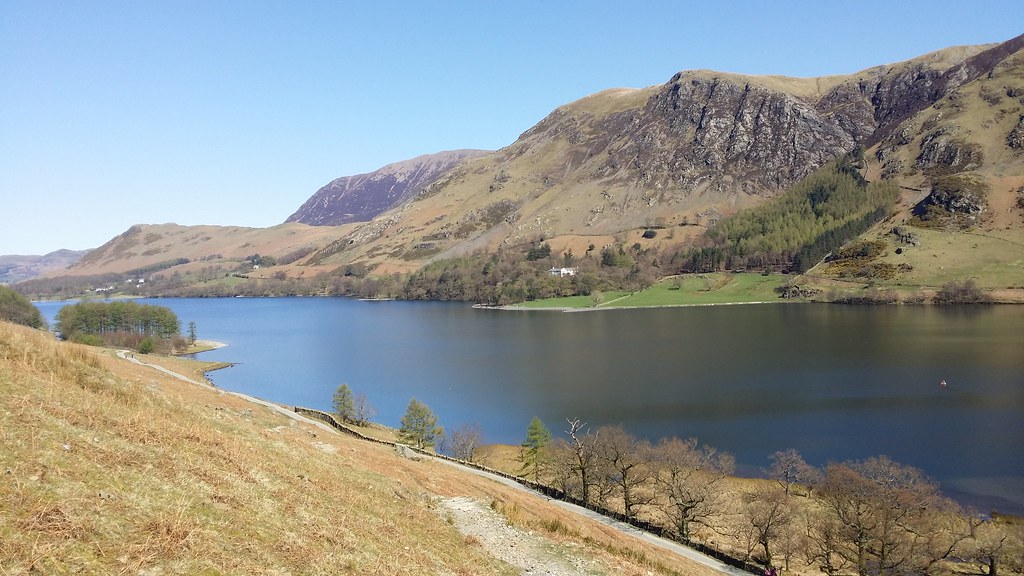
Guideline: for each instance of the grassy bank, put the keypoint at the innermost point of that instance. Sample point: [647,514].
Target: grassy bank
[682,290]
[111,467]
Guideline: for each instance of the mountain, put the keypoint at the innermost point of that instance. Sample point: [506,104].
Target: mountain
[673,159]
[360,198]
[703,145]
[15,268]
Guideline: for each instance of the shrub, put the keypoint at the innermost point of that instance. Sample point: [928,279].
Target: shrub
[146,346]
[966,292]
[539,252]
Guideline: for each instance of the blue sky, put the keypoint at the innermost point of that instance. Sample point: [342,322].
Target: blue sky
[234,113]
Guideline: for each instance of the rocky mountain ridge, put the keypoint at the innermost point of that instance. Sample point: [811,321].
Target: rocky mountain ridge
[681,154]
[675,157]
[360,198]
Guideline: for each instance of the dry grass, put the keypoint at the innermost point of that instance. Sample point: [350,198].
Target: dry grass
[107,473]
[112,468]
[199,244]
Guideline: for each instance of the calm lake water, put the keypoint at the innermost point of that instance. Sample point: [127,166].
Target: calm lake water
[834,382]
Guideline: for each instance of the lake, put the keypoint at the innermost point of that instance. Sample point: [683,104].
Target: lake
[833,382]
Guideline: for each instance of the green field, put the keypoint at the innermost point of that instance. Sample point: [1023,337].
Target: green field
[683,290]
[571,301]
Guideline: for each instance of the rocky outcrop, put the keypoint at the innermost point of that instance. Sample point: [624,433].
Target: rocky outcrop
[943,154]
[904,235]
[903,92]
[700,133]
[1015,139]
[698,129]
[360,198]
[408,453]
[849,105]
[956,195]
[725,133]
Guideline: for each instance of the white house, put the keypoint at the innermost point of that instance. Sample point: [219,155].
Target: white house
[562,272]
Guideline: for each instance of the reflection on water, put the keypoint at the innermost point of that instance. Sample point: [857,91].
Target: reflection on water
[834,382]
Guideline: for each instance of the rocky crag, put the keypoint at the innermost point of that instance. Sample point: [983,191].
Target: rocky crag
[705,144]
[360,198]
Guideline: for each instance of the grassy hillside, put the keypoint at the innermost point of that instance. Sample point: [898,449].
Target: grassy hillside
[114,468]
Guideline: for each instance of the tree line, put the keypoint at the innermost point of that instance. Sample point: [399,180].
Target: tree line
[143,327]
[18,309]
[796,230]
[871,517]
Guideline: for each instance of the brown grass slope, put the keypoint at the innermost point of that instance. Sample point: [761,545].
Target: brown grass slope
[146,245]
[113,468]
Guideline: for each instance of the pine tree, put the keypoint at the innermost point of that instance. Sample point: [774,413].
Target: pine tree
[419,426]
[532,456]
[344,404]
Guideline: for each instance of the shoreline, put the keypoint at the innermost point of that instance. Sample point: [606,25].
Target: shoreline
[568,309]
[203,346]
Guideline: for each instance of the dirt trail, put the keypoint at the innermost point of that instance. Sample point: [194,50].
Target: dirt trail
[532,554]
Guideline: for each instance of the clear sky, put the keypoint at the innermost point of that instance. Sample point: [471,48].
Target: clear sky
[234,113]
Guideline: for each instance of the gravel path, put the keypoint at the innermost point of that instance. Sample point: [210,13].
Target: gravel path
[658,541]
[532,554]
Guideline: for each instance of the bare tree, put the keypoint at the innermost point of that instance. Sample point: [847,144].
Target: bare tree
[627,463]
[791,538]
[789,468]
[464,442]
[584,448]
[561,467]
[938,532]
[688,476]
[995,542]
[826,543]
[892,518]
[851,499]
[364,410]
[769,514]
[906,510]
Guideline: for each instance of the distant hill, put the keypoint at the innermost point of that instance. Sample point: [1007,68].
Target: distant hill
[361,198]
[15,268]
